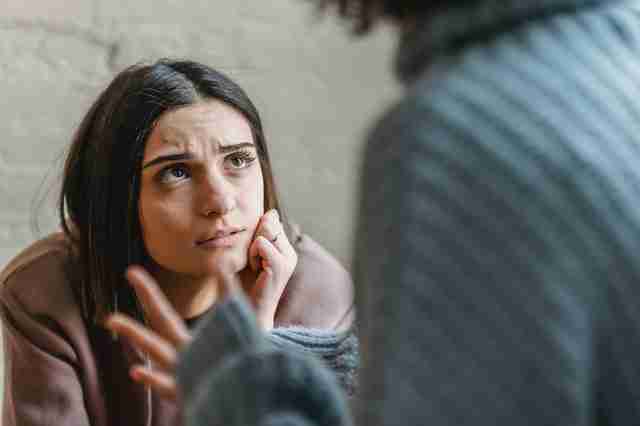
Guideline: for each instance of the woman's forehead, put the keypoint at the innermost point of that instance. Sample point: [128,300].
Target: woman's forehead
[195,126]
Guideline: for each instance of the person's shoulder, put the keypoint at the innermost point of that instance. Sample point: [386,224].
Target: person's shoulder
[37,279]
[453,98]
[316,256]
[320,291]
[41,318]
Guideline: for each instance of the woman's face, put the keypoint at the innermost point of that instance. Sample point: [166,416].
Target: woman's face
[202,193]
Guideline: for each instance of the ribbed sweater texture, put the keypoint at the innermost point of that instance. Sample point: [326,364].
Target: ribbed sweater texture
[500,218]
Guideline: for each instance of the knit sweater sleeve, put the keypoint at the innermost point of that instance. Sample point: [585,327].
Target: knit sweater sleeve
[337,350]
[233,374]
[231,329]
[228,330]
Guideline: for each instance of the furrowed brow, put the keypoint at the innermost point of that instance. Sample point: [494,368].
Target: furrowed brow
[166,158]
[223,149]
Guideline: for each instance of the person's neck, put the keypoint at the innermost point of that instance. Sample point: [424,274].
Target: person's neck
[193,296]
[190,296]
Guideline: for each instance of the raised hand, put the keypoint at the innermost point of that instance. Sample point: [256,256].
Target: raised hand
[162,341]
[274,258]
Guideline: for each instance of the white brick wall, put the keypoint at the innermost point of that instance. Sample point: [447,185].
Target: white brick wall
[315,88]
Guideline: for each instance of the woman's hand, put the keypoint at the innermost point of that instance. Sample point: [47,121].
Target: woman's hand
[165,338]
[273,257]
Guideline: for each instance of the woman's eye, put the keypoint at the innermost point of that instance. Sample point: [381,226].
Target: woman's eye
[238,162]
[174,173]
[240,159]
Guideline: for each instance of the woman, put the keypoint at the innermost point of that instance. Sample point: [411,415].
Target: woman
[168,171]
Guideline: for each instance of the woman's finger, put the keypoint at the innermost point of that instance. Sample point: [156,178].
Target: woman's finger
[274,232]
[160,382]
[268,227]
[283,245]
[271,226]
[283,259]
[254,259]
[161,315]
[268,252]
[159,349]
[269,286]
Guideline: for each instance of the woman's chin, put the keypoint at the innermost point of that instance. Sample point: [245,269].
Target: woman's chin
[229,263]
[212,266]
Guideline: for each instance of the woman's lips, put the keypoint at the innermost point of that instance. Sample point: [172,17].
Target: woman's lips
[220,241]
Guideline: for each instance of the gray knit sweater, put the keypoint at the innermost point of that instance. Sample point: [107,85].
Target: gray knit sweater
[236,375]
[496,269]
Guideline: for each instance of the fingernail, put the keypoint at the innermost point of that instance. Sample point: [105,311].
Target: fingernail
[134,374]
[112,333]
[126,276]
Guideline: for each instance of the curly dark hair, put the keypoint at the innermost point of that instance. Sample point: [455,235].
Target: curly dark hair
[364,14]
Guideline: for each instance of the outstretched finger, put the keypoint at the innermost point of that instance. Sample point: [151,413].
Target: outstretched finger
[159,349]
[162,383]
[161,315]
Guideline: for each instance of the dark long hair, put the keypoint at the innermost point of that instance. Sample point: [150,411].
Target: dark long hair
[98,204]
[364,14]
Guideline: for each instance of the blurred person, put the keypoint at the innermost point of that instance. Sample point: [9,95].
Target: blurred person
[496,267]
[168,179]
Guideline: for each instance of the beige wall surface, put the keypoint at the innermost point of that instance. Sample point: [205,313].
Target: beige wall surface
[316,89]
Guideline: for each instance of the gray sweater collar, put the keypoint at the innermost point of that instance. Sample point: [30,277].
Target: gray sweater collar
[453,27]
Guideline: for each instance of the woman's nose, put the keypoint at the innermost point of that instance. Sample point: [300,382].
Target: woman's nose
[219,198]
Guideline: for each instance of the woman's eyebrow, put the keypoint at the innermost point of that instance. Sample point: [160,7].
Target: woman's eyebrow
[165,158]
[223,149]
